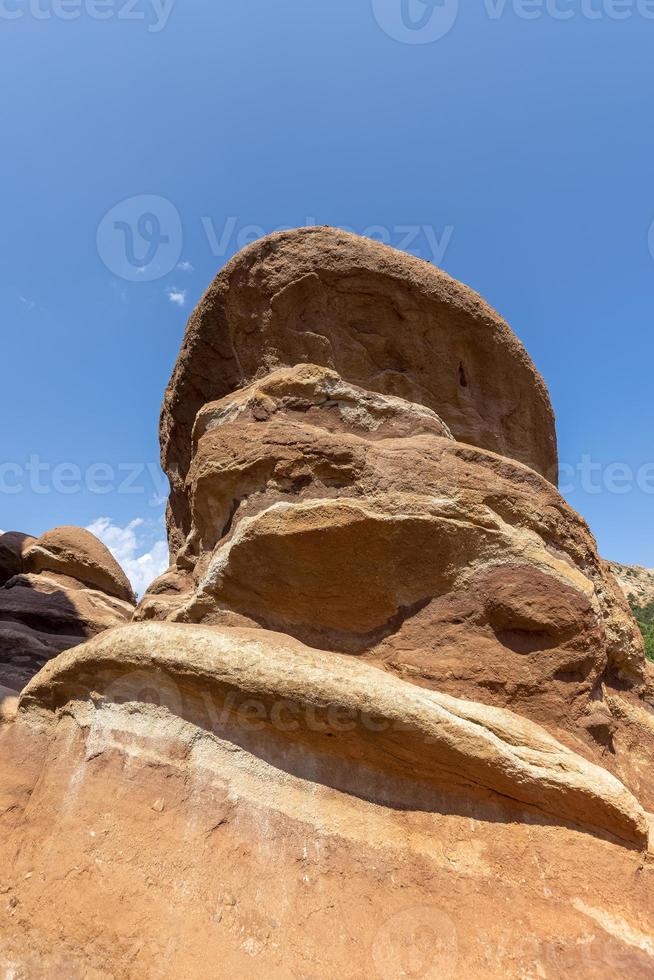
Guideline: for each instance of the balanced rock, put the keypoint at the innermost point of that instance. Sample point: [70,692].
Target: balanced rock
[66,588]
[387,713]
[382,319]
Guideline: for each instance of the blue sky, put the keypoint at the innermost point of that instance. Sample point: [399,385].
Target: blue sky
[517,148]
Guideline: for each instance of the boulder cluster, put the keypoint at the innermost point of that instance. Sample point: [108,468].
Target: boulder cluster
[386,714]
[56,592]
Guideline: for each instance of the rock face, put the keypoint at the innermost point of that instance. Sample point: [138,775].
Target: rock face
[13,546]
[382,319]
[357,523]
[438,739]
[77,554]
[636,582]
[60,590]
[228,802]
[387,714]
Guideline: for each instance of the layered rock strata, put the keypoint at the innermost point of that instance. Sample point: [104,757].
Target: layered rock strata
[387,713]
[61,589]
[382,319]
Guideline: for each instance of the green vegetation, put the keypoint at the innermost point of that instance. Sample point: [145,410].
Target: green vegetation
[645,619]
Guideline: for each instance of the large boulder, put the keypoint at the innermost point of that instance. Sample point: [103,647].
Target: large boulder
[434,737]
[193,801]
[387,713]
[356,523]
[382,319]
[75,552]
[66,588]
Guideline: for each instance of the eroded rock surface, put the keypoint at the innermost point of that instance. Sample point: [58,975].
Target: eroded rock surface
[375,533]
[77,554]
[256,808]
[636,582]
[387,713]
[13,546]
[392,726]
[64,588]
[382,319]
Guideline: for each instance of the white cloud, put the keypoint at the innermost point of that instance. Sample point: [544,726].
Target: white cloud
[142,558]
[185,267]
[119,292]
[177,296]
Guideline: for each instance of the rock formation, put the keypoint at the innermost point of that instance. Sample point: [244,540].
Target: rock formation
[382,319]
[636,582]
[58,591]
[13,546]
[356,523]
[387,714]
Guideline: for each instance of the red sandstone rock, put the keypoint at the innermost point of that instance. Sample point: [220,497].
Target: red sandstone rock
[275,811]
[382,319]
[77,553]
[390,714]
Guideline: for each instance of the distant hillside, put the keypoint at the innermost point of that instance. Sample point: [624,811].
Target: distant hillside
[638,585]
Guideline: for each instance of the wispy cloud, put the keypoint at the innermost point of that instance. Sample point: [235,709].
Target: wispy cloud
[185,266]
[30,305]
[176,296]
[119,292]
[142,558]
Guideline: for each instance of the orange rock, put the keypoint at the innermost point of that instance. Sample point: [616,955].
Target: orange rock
[77,553]
[382,319]
[252,806]
[387,713]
